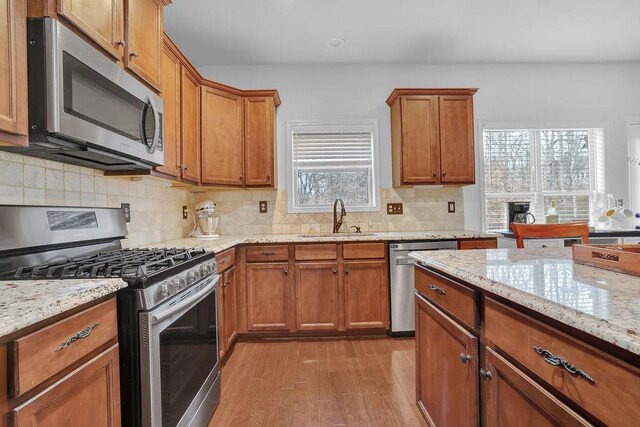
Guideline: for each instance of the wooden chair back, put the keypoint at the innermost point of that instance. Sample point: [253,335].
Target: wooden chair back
[549,231]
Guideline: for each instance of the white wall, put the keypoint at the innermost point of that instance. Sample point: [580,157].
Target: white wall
[592,94]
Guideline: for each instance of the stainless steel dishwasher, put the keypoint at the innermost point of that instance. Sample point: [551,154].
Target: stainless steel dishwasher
[402,282]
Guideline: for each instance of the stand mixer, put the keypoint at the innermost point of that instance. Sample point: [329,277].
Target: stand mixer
[204,223]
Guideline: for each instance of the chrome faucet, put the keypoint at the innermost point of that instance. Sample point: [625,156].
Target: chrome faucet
[337,223]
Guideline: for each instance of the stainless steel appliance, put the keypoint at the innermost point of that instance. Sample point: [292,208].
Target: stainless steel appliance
[402,282]
[85,109]
[167,317]
[519,212]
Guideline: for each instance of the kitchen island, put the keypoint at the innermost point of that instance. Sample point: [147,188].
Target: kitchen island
[543,338]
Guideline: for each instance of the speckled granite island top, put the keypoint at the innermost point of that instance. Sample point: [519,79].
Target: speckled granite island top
[601,303]
[229,241]
[27,302]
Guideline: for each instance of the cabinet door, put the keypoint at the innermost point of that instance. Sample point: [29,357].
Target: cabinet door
[88,396]
[420,140]
[171,76]
[366,294]
[143,53]
[190,127]
[446,369]
[230,303]
[511,398]
[259,141]
[13,69]
[457,156]
[317,296]
[101,20]
[268,306]
[222,150]
[3,386]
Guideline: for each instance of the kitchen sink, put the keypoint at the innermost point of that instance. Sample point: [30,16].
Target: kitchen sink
[316,235]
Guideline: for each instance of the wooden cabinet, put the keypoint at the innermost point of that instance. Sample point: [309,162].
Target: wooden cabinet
[512,398]
[366,295]
[228,310]
[478,244]
[13,73]
[190,127]
[259,141]
[446,369]
[432,136]
[100,20]
[87,396]
[171,117]
[317,297]
[222,145]
[268,304]
[144,30]
[4,386]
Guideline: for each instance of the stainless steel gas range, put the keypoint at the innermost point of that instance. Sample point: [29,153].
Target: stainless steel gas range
[167,317]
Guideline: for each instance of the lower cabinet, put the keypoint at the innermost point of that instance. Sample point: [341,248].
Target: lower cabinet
[446,369]
[366,294]
[268,304]
[88,396]
[228,310]
[317,296]
[4,387]
[512,398]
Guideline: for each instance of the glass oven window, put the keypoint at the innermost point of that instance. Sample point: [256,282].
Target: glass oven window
[188,353]
[92,97]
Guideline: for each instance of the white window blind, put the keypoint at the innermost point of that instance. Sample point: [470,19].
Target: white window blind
[540,166]
[330,162]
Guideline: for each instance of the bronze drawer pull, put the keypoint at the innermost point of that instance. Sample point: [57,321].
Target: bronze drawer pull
[438,290]
[79,336]
[554,360]
[267,253]
[485,375]
[465,358]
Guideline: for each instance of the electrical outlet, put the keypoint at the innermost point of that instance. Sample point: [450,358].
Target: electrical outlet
[394,208]
[184,212]
[452,207]
[126,208]
[263,206]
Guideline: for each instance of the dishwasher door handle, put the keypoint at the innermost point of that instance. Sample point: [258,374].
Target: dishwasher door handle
[405,261]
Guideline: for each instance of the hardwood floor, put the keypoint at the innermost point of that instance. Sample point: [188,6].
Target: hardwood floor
[328,382]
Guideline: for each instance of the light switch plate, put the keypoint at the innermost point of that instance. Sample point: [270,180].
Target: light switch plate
[126,208]
[263,206]
[452,207]
[394,208]
[184,212]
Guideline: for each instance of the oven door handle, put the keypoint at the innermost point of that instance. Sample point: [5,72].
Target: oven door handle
[157,318]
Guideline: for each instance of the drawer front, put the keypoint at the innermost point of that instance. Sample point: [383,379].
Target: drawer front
[455,298]
[363,251]
[478,244]
[267,253]
[226,259]
[316,252]
[42,354]
[612,394]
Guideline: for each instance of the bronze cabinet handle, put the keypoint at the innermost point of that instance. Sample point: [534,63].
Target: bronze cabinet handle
[121,43]
[79,336]
[465,358]
[346,271]
[335,271]
[437,290]
[286,272]
[133,54]
[434,175]
[223,261]
[444,174]
[485,375]
[268,177]
[267,253]
[555,360]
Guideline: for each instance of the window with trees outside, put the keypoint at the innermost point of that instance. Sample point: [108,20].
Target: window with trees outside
[330,160]
[540,166]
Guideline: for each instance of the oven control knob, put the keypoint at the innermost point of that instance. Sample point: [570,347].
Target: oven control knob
[163,291]
[205,269]
[179,283]
[193,276]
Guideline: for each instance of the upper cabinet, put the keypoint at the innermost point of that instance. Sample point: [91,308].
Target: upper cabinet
[238,136]
[13,76]
[144,33]
[432,136]
[130,31]
[190,128]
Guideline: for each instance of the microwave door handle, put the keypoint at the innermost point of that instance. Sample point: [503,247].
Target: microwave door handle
[143,127]
[157,318]
[156,125]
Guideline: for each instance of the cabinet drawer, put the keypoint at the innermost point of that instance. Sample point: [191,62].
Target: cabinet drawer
[226,259]
[612,394]
[267,253]
[478,244]
[316,252]
[363,250]
[44,353]
[455,298]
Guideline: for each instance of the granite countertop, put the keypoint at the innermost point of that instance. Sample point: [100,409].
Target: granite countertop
[599,302]
[27,302]
[594,233]
[229,241]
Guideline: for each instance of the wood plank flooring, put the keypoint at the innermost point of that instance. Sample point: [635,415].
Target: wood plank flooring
[324,382]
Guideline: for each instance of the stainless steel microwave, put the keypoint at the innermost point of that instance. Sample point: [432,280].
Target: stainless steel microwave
[84,108]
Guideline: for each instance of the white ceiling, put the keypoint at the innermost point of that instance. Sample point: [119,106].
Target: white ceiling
[229,32]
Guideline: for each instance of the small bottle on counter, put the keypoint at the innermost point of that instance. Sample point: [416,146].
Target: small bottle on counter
[552,216]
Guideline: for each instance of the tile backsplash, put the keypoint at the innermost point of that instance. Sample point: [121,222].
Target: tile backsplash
[156,208]
[423,209]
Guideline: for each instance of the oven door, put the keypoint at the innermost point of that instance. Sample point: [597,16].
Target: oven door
[90,99]
[180,365]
